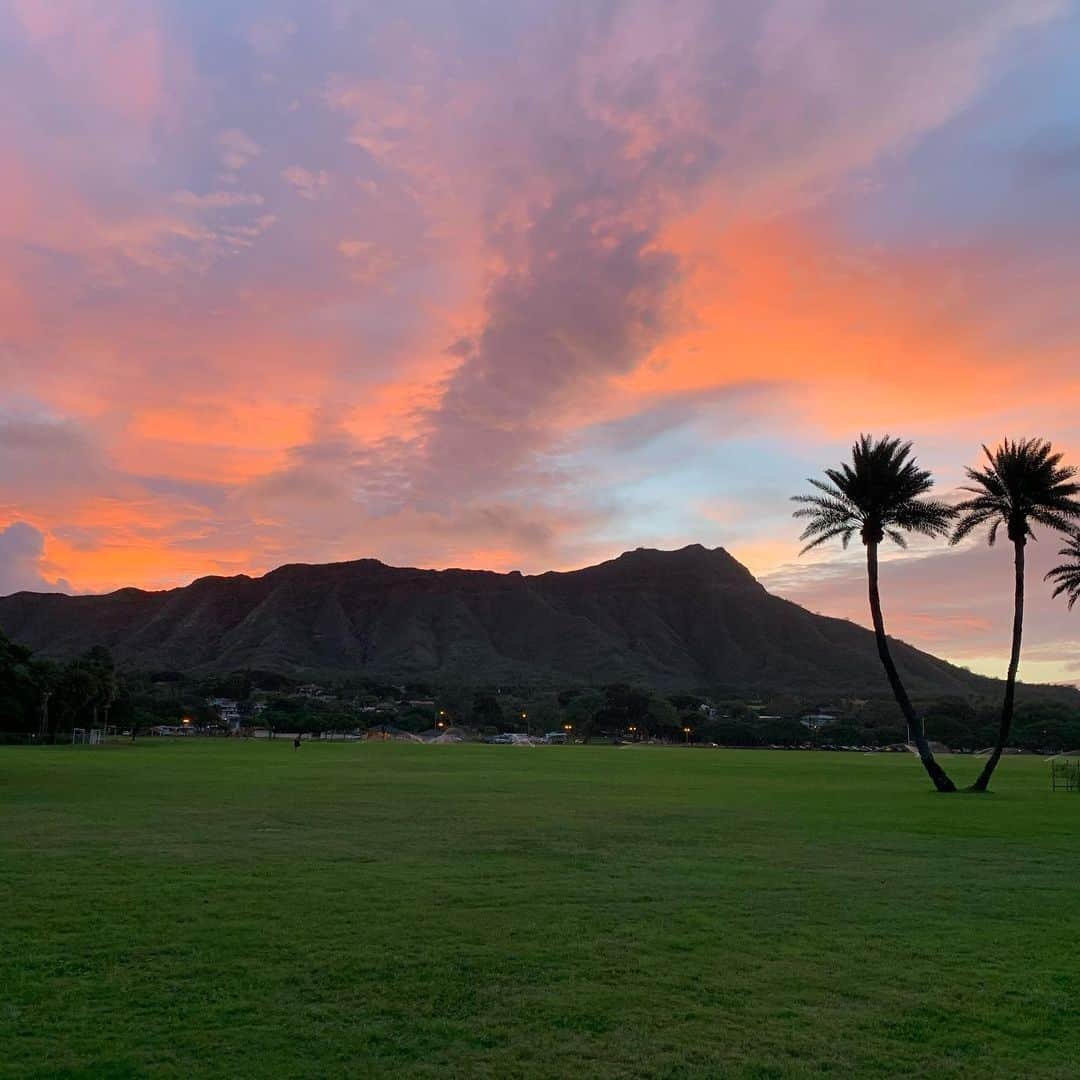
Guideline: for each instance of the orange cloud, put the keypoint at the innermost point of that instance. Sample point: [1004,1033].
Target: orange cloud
[863,336]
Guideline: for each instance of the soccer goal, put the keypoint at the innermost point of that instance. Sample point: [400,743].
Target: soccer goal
[86,736]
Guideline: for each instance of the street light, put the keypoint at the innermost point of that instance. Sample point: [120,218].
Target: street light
[440,722]
[568,728]
[633,732]
[686,732]
[525,720]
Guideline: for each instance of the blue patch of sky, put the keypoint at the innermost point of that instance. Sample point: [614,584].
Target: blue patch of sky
[1002,161]
[685,485]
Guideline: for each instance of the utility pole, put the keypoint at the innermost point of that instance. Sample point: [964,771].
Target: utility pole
[45,695]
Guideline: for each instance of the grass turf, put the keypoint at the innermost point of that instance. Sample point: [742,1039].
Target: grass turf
[230,909]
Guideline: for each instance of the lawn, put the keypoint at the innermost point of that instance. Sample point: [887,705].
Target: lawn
[237,909]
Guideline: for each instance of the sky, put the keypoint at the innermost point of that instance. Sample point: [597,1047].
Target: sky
[522,286]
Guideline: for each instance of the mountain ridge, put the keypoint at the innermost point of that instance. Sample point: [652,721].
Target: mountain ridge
[690,618]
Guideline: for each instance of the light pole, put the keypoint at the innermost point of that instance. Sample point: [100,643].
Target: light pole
[687,731]
[633,732]
[525,721]
[45,695]
[568,728]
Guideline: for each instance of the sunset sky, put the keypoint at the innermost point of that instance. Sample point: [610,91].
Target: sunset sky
[520,285]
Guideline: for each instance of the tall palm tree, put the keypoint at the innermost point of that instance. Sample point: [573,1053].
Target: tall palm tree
[878,495]
[1066,577]
[1022,482]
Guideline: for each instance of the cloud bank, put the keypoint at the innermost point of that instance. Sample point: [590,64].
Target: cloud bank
[516,286]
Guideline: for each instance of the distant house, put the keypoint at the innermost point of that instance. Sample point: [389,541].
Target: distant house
[228,710]
[815,721]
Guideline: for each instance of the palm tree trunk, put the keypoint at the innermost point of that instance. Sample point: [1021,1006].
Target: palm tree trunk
[1005,724]
[915,725]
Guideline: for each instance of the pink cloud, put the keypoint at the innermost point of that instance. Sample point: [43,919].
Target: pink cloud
[109,55]
[306,184]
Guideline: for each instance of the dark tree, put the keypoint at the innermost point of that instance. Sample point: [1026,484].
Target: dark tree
[879,495]
[99,662]
[76,692]
[22,690]
[486,710]
[583,709]
[1022,482]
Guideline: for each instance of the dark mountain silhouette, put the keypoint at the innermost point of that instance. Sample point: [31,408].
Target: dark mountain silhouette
[692,618]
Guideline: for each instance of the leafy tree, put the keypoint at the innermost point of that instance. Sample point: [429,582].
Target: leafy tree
[729,732]
[784,731]
[21,688]
[456,702]
[1023,482]
[99,662]
[543,713]
[953,721]
[486,710]
[583,710]
[417,718]
[140,719]
[1046,725]
[626,703]
[76,691]
[879,495]
[662,718]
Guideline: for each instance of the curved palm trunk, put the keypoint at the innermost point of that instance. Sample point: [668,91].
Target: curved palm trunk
[1005,724]
[915,725]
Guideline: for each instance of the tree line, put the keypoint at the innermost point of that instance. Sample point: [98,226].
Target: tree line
[40,697]
[41,700]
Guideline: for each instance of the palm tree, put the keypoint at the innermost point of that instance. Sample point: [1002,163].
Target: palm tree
[878,495]
[1023,482]
[1066,577]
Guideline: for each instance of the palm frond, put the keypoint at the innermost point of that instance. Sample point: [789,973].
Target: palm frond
[845,535]
[1066,576]
[970,519]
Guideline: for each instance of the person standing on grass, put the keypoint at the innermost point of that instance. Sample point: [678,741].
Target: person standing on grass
[296,743]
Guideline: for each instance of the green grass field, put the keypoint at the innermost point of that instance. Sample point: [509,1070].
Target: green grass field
[230,909]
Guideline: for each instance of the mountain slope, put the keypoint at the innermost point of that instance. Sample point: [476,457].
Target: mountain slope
[688,618]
